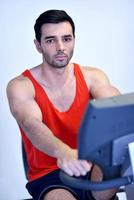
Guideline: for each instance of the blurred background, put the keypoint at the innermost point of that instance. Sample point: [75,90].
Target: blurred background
[104,39]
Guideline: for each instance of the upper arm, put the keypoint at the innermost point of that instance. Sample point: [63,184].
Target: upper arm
[20,93]
[99,83]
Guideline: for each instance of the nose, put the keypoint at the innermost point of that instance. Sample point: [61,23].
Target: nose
[60,46]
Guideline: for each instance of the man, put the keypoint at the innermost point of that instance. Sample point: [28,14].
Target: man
[48,102]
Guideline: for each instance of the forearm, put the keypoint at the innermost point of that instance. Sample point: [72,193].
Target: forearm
[43,138]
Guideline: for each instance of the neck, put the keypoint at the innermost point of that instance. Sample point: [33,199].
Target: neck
[56,77]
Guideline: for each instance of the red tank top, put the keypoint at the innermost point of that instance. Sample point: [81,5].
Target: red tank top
[64,125]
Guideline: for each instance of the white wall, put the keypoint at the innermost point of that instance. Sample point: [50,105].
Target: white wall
[104,38]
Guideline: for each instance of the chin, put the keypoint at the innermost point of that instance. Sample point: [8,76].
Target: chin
[60,65]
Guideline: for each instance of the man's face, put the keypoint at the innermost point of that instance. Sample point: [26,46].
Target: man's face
[57,44]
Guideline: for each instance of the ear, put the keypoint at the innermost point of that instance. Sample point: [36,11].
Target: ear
[38,46]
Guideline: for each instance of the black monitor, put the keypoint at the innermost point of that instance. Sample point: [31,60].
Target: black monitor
[105,132]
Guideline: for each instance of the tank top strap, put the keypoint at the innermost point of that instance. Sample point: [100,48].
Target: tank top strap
[80,77]
[38,88]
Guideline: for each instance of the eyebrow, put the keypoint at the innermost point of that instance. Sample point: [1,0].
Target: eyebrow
[69,35]
[53,36]
[49,37]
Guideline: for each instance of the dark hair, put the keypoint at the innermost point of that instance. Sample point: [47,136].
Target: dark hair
[52,16]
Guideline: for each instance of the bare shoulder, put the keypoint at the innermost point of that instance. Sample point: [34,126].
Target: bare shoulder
[94,76]
[98,83]
[94,73]
[19,86]
[20,94]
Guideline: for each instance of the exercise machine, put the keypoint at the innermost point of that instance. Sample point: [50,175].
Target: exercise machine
[106,138]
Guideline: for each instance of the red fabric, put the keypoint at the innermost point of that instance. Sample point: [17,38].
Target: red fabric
[64,125]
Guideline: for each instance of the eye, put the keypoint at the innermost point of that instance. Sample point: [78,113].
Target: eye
[67,39]
[50,41]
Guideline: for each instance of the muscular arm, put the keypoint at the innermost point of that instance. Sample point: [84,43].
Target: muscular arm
[98,83]
[100,87]
[27,113]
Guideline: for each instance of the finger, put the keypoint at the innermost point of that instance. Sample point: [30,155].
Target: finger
[74,167]
[81,168]
[67,170]
[86,165]
[77,168]
[70,167]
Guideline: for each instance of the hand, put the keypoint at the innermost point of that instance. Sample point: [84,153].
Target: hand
[70,163]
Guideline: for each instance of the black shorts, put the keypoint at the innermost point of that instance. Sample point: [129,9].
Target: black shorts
[39,187]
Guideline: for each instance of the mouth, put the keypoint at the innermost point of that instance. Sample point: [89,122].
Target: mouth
[60,57]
